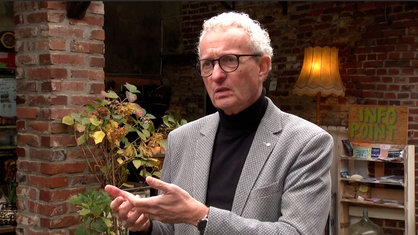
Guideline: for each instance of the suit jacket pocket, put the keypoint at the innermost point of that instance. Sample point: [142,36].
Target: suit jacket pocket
[264,203]
[266,191]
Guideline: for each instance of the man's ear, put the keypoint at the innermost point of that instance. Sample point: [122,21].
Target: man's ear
[265,63]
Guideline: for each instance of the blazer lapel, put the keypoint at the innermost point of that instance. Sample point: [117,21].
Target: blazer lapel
[264,142]
[203,153]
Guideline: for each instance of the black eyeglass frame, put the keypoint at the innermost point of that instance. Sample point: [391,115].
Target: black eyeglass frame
[212,61]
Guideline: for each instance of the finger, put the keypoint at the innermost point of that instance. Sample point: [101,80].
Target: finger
[141,224]
[157,184]
[116,192]
[125,209]
[132,218]
[114,205]
[113,191]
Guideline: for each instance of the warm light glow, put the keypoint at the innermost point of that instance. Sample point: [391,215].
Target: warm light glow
[320,73]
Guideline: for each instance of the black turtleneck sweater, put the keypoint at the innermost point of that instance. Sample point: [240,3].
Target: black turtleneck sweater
[232,144]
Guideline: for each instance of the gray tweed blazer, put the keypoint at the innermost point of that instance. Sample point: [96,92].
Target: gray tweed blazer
[285,184]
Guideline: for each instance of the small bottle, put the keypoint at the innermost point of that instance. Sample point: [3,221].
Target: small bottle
[365,227]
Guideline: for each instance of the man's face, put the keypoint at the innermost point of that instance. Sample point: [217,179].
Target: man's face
[235,91]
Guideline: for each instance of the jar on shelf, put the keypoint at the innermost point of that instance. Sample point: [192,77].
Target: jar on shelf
[365,227]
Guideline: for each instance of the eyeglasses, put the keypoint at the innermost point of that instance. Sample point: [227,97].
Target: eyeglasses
[228,63]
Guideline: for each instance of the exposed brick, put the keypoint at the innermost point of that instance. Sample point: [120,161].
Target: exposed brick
[48,181]
[56,17]
[28,219]
[96,88]
[97,62]
[87,47]
[37,17]
[27,191]
[57,44]
[47,154]
[79,73]
[82,100]
[57,113]
[62,59]
[58,195]
[53,5]
[96,7]
[27,139]
[97,34]
[27,112]
[29,166]
[28,59]
[82,180]
[59,168]
[39,126]
[39,100]
[96,75]
[57,140]
[59,128]
[20,152]
[60,31]
[75,153]
[66,86]
[48,209]
[58,221]
[43,73]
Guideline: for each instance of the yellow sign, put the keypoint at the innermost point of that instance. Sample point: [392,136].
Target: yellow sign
[378,124]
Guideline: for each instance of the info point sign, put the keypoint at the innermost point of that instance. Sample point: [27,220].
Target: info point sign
[378,124]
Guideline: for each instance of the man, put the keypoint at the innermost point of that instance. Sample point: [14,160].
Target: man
[247,169]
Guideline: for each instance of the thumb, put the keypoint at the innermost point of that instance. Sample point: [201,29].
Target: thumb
[157,184]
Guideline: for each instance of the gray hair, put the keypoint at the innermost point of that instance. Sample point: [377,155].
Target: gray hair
[259,37]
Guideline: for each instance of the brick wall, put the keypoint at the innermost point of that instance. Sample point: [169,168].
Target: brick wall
[60,67]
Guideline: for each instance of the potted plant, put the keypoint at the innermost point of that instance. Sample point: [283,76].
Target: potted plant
[114,133]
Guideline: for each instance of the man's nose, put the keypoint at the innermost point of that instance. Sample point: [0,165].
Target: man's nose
[217,71]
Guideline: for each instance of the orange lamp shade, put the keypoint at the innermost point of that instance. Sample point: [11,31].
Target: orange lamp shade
[320,73]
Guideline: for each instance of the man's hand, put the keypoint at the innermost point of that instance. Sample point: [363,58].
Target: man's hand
[129,216]
[174,205]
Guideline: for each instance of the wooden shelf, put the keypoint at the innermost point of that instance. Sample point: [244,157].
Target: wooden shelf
[400,184]
[371,203]
[394,160]
[383,200]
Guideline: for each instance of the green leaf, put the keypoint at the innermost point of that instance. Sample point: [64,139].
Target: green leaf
[111,95]
[137,163]
[90,108]
[81,140]
[94,121]
[80,230]
[130,96]
[84,212]
[117,117]
[68,120]
[132,88]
